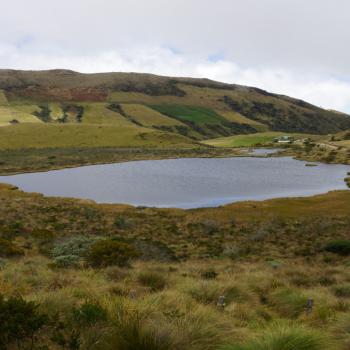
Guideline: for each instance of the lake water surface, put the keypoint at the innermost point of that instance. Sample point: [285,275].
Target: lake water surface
[187,183]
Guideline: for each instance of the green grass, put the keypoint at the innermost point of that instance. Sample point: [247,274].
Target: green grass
[281,336]
[198,115]
[249,140]
[124,134]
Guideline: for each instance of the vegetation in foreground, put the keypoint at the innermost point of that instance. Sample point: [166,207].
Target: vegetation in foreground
[254,275]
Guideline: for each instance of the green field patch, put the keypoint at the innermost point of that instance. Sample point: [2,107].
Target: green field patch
[249,140]
[198,115]
[148,116]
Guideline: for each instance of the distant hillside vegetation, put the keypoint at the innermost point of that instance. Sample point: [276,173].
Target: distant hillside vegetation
[197,109]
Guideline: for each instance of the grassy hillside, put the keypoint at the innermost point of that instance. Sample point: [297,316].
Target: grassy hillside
[209,109]
[42,135]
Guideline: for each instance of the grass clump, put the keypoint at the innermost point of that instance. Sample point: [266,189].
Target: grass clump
[89,314]
[340,247]
[288,303]
[109,252]
[132,330]
[284,337]
[152,279]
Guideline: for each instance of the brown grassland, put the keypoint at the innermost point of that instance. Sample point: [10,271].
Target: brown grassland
[233,277]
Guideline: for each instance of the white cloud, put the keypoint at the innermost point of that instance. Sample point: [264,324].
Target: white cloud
[323,91]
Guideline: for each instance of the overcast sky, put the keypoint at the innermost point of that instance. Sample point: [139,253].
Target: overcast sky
[295,47]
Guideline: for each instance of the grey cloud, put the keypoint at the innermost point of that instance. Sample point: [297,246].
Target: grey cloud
[304,37]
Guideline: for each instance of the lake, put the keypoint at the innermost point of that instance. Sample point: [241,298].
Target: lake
[187,183]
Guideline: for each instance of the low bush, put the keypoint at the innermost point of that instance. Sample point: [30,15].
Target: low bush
[65,261]
[77,246]
[19,321]
[340,247]
[209,274]
[89,314]
[152,279]
[8,249]
[109,252]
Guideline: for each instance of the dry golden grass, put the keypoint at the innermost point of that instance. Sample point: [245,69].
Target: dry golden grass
[23,114]
[173,304]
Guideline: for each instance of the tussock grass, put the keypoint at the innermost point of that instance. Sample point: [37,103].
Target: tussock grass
[282,336]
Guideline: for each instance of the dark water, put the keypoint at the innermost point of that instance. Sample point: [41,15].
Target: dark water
[187,183]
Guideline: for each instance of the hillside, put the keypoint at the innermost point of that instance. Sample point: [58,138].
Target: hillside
[196,109]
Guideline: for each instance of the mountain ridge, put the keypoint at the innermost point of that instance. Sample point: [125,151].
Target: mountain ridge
[230,109]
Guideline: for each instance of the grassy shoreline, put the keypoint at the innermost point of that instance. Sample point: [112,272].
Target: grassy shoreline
[36,160]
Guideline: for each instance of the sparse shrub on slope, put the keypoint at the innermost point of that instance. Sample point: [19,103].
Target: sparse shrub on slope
[19,322]
[69,252]
[8,249]
[109,252]
[340,247]
[285,337]
[89,314]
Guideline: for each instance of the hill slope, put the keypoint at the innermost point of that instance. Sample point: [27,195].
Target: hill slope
[195,108]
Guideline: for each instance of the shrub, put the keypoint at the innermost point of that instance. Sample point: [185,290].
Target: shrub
[286,337]
[89,314]
[43,234]
[77,246]
[8,249]
[66,261]
[19,321]
[152,279]
[341,247]
[209,274]
[109,252]
[122,223]
[342,291]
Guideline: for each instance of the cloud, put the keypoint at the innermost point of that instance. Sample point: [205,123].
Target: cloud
[327,92]
[293,47]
